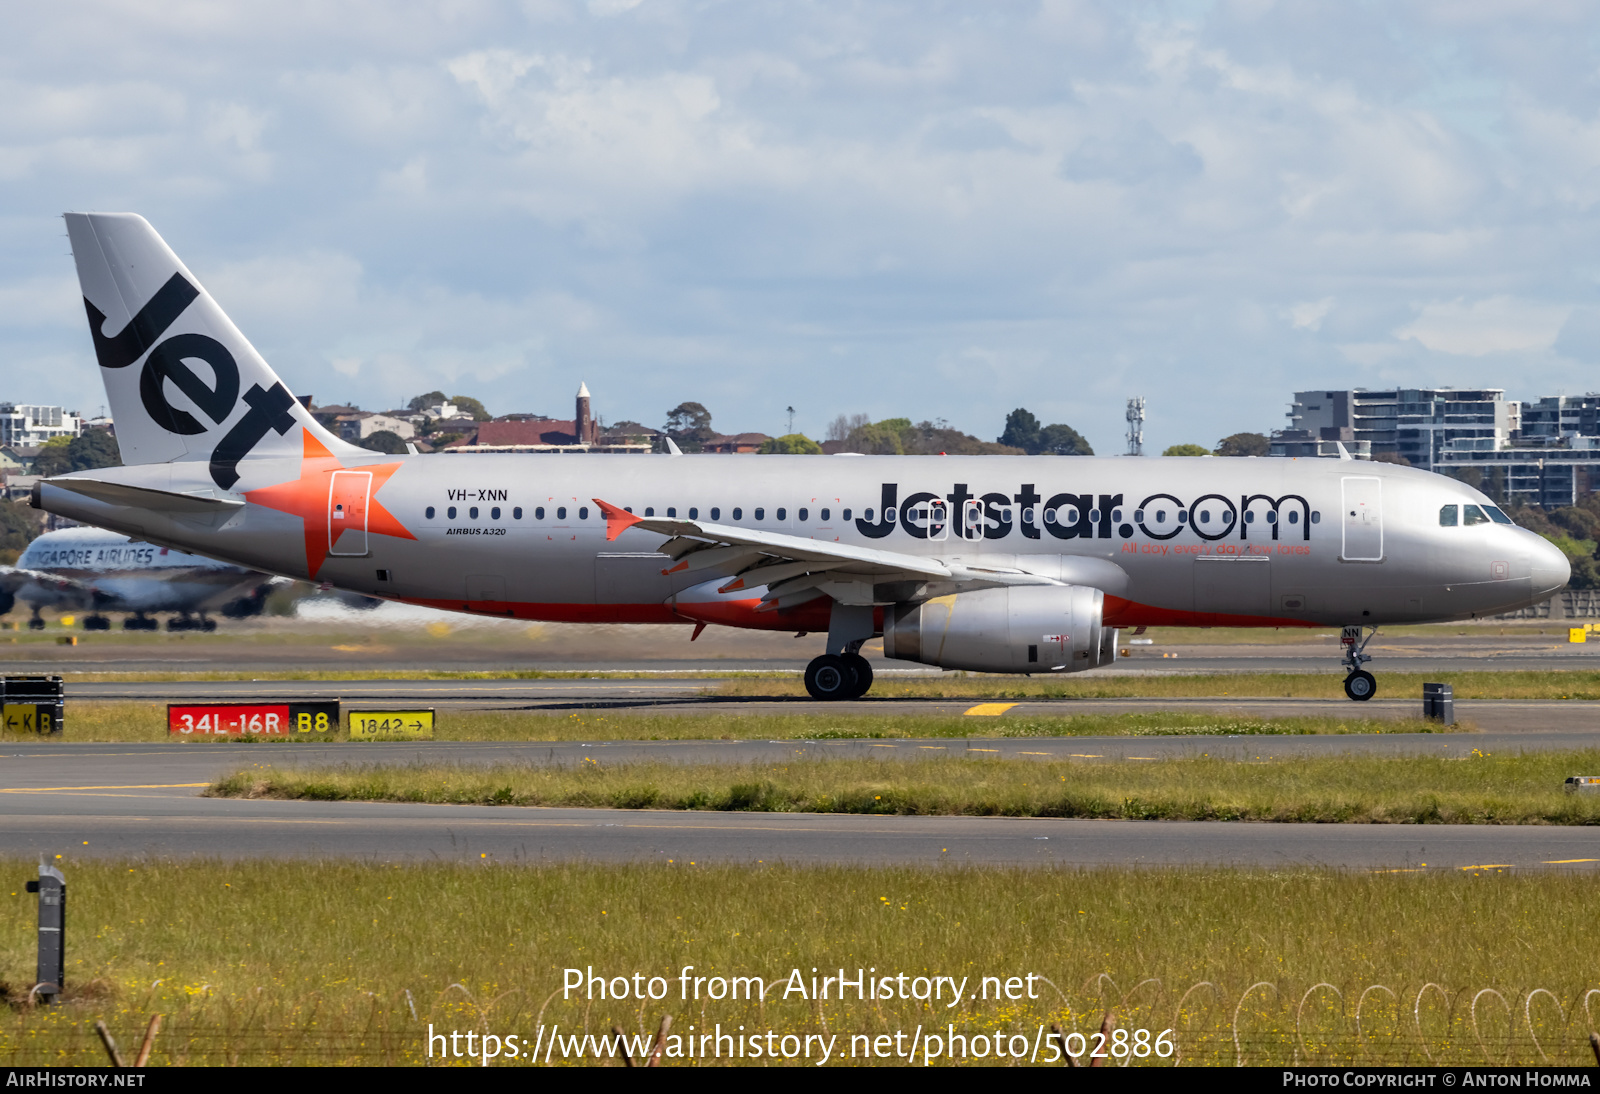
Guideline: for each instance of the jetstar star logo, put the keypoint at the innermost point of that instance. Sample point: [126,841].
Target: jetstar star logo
[318,498]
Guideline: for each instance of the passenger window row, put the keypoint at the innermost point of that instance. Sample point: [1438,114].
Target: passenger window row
[803,515]
[1066,515]
[494,513]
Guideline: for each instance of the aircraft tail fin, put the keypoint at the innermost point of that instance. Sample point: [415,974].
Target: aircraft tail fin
[183,383]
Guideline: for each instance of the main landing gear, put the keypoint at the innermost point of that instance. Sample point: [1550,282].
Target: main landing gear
[839,676]
[1359,684]
[185,621]
[842,673]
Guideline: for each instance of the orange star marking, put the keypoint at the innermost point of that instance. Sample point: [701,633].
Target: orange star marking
[310,497]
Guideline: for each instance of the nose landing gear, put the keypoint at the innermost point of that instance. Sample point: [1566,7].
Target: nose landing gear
[1359,684]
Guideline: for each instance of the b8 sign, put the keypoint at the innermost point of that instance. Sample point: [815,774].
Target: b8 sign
[253,720]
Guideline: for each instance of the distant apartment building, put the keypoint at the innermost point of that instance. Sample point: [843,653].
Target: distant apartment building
[1545,451]
[24,425]
[1423,425]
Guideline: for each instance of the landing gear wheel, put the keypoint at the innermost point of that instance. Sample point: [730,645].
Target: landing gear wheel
[1360,685]
[96,623]
[829,677]
[862,670]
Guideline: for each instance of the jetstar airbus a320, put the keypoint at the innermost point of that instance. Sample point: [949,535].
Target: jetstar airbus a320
[1013,565]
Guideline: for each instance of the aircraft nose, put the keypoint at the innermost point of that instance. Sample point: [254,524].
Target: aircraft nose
[1551,571]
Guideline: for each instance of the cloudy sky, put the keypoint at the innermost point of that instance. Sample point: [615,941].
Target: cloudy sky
[938,211]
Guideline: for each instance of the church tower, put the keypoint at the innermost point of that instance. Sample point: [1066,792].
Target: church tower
[583,420]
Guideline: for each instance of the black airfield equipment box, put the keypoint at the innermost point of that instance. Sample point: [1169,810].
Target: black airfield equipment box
[32,704]
[1439,703]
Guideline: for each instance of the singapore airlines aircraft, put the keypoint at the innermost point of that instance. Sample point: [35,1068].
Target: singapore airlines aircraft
[86,569]
[1016,565]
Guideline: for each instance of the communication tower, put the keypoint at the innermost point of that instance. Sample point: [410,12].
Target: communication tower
[1136,426]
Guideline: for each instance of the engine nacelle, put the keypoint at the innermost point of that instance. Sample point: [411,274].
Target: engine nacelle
[1052,628]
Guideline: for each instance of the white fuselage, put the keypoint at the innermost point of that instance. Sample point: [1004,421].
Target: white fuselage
[1201,542]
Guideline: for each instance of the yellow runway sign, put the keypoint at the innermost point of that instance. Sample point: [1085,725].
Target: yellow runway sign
[391,725]
[28,717]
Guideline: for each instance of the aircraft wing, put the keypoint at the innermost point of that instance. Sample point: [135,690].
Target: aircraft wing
[13,578]
[794,569]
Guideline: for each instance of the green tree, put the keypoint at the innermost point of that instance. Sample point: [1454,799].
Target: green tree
[1187,450]
[54,458]
[1063,440]
[95,448]
[19,526]
[689,425]
[885,438]
[1022,431]
[423,402]
[472,407]
[1244,444]
[898,436]
[384,440]
[88,450]
[795,444]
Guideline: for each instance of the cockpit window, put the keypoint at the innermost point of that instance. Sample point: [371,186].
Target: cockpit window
[1497,516]
[1449,516]
[1474,515]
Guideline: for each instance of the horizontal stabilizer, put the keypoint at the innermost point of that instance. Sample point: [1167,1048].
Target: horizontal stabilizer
[142,497]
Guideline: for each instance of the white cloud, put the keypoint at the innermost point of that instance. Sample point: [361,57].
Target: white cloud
[1310,314]
[1496,325]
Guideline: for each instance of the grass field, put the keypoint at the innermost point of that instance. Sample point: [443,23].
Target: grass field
[349,964]
[115,722]
[1477,789]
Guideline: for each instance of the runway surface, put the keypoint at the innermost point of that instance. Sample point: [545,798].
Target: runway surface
[142,801]
[397,638]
